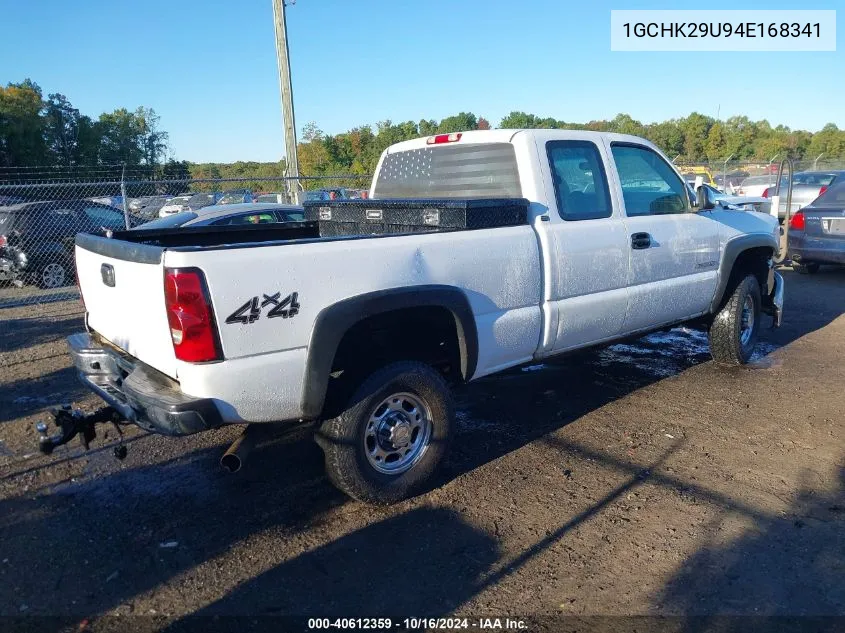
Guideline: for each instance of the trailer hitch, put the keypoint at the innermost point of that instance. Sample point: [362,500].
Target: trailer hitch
[72,422]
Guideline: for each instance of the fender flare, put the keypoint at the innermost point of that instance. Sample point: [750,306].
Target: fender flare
[333,322]
[733,249]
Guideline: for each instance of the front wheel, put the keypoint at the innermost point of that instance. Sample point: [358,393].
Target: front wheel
[392,436]
[733,333]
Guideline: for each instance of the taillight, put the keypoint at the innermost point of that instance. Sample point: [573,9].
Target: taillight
[796,222]
[444,138]
[3,241]
[192,327]
[766,192]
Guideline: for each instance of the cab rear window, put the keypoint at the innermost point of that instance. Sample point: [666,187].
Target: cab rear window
[479,170]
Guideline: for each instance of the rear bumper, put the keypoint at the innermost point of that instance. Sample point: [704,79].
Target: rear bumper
[138,392]
[818,255]
[803,248]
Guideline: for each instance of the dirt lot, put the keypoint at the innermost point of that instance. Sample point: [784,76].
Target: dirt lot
[637,480]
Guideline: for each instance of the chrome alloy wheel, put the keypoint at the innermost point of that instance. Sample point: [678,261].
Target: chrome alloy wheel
[746,325]
[398,433]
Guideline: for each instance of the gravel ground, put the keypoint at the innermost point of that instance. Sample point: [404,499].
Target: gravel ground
[641,479]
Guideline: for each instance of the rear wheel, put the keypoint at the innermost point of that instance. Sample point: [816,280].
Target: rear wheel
[733,333]
[389,441]
[806,269]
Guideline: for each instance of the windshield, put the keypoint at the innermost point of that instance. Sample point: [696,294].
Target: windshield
[169,222]
[813,179]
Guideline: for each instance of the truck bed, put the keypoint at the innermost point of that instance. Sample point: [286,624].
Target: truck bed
[347,219]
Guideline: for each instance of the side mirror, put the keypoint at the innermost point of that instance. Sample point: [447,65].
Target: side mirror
[705,202]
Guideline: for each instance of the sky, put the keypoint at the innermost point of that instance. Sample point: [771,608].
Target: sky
[208,67]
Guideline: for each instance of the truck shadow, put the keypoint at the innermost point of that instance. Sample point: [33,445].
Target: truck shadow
[20,334]
[425,562]
[30,395]
[93,543]
[788,564]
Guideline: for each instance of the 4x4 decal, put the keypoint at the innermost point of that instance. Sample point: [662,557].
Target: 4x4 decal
[250,312]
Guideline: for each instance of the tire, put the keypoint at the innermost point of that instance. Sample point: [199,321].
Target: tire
[732,338]
[806,269]
[358,451]
[53,274]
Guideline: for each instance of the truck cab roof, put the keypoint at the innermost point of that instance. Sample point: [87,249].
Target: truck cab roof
[508,135]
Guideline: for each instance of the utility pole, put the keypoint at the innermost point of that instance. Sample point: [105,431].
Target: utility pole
[283,60]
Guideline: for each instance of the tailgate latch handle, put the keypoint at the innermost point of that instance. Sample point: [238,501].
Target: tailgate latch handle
[107,273]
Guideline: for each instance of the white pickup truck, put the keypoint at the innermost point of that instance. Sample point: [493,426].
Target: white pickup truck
[190,329]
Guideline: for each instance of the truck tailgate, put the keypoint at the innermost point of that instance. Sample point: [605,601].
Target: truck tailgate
[122,286]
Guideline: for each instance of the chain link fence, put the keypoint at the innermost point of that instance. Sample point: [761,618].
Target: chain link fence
[40,213]
[730,175]
[40,219]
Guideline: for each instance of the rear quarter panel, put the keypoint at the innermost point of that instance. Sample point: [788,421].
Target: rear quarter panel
[497,269]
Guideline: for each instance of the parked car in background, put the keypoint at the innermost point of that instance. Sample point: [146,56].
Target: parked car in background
[193,202]
[326,194]
[238,196]
[36,238]
[737,203]
[148,206]
[357,194]
[754,186]
[175,205]
[228,214]
[817,232]
[692,173]
[806,187]
[277,198]
[110,201]
[729,183]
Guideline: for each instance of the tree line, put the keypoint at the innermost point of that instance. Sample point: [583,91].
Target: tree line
[36,130]
[693,139]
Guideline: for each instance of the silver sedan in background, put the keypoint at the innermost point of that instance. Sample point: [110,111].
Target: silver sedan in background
[806,187]
[229,214]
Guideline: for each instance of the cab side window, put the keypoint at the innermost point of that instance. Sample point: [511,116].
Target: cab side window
[579,179]
[649,185]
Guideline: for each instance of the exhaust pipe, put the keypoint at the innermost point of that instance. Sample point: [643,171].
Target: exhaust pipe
[234,458]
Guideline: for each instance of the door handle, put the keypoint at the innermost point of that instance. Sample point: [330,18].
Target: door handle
[640,241]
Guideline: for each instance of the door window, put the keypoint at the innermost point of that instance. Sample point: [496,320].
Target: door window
[649,185]
[579,179]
